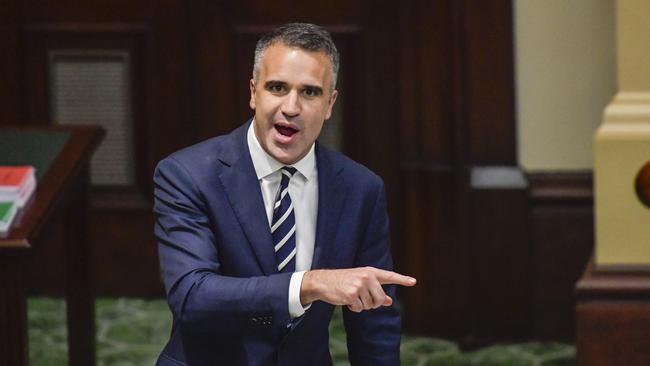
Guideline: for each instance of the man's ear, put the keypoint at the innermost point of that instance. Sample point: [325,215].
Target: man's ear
[331,101]
[251,102]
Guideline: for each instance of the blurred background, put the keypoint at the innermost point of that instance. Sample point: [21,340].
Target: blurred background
[479,116]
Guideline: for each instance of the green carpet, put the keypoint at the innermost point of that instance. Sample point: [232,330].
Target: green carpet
[131,332]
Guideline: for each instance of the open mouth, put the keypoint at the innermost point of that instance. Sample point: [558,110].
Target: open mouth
[285,130]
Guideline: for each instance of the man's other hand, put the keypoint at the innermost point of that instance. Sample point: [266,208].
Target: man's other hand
[357,288]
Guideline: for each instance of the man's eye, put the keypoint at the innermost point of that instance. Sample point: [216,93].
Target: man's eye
[310,92]
[276,88]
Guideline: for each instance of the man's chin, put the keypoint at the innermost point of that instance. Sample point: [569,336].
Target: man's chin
[284,155]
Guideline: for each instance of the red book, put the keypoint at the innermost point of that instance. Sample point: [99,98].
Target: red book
[14,177]
[17,183]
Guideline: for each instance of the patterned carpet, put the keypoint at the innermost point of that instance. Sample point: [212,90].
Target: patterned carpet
[131,332]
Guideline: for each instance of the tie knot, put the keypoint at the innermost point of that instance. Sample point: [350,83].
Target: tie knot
[289,171]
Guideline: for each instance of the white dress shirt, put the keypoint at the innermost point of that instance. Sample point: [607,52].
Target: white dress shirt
[303,190]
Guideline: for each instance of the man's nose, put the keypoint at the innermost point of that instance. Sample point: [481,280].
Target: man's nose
[291,104]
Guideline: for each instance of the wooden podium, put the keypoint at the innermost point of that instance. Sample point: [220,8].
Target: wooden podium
[61,156]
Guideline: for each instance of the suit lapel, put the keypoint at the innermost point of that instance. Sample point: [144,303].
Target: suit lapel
[243,191]
[331,196]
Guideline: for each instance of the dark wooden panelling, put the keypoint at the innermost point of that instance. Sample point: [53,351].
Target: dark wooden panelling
[126,260]
[428,228]
[440,305]
[613,332]
[425,77]
[490,93]
[80,314]
[375,80]
[11,94]
[170,75]
[457,111]
[46,267]
[339,11]
[501,259]
[214,88]
[124,256]
[613,316]
[13,311]
[562,242]
[114,12]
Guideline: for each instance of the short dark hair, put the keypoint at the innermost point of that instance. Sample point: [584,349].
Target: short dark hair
[306,36]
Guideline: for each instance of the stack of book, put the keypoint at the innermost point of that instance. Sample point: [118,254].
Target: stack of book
[17,186]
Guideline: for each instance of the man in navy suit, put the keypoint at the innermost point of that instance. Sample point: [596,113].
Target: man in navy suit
[263,231]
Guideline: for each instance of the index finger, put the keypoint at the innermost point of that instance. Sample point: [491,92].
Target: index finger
[393,278]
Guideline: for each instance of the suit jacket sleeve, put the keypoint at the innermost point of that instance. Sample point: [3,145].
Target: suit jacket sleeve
[200,297]
[373,336]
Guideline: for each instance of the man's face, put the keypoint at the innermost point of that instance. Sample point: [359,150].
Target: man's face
[292,99]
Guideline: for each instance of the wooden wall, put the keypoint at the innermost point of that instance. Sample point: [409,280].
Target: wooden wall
[613,316]
[562,226]
[458,107]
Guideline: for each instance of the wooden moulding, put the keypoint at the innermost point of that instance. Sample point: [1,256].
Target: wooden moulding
[565,188]
[614,282]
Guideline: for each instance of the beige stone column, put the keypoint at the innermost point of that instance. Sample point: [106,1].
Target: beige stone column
[622,147]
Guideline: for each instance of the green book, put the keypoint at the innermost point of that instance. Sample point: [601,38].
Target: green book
[7,215]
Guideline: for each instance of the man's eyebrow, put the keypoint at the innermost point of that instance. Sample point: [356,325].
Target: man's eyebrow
[273,83]
[315,88]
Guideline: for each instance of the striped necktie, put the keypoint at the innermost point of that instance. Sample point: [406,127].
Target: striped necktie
[283,225]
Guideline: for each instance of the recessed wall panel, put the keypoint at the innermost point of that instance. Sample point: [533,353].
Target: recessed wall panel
[94,87]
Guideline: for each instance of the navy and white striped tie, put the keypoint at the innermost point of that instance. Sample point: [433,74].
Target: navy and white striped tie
[283,225]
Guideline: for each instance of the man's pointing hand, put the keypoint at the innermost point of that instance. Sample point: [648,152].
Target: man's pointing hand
[357,288]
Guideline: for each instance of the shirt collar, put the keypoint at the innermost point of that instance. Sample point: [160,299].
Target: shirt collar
[265,164]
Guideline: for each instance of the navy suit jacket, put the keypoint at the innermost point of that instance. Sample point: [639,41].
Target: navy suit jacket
[229,303]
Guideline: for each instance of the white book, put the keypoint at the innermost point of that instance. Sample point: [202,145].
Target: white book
[16,182]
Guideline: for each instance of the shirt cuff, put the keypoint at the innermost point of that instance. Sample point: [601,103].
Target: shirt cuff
[295,307]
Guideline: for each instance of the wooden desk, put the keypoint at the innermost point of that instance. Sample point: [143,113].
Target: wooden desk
[61,156]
